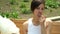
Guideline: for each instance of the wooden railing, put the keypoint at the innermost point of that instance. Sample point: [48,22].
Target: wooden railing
[19,23]
[54,27]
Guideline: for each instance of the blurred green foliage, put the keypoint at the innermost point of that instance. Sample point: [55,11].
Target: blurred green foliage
[25,11]
[23,6]
[52,4]
[13,2]
[25,0]
[10,15]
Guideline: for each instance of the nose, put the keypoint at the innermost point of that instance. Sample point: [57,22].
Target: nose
[40,11]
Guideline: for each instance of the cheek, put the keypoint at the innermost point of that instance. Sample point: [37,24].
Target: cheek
[35,12]
[41,12]
[38,12]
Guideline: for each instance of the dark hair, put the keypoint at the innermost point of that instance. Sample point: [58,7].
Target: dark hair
[36,3]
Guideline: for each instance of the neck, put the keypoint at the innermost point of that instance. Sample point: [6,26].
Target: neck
[35,21]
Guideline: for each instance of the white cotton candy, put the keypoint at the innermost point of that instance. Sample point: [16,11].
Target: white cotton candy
[8,27]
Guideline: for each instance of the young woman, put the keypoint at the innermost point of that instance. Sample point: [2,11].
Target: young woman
[35,25]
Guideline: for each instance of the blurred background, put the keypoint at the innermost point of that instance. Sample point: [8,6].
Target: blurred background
[20,9]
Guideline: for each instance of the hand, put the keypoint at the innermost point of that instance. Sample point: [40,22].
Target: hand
[42,20]
[47,22]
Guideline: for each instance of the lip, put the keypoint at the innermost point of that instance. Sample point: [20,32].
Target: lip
[39,15]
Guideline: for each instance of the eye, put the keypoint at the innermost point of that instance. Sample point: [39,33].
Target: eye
[42,8]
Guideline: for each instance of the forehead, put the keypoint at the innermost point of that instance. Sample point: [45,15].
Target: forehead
[41,5]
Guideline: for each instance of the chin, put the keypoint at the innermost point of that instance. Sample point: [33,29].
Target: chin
[39,16]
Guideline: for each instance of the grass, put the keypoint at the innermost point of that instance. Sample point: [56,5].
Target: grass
[52,12]
[16,7]
[47,13]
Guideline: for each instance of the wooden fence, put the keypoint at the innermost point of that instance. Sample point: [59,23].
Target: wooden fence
[19,23]
[54,27]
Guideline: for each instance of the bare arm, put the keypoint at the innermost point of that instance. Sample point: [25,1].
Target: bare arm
[25,28]
[43,28]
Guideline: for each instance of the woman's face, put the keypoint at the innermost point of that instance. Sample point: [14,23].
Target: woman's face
[38,11]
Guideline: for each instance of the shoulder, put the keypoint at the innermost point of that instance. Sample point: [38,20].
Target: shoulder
[25,23]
